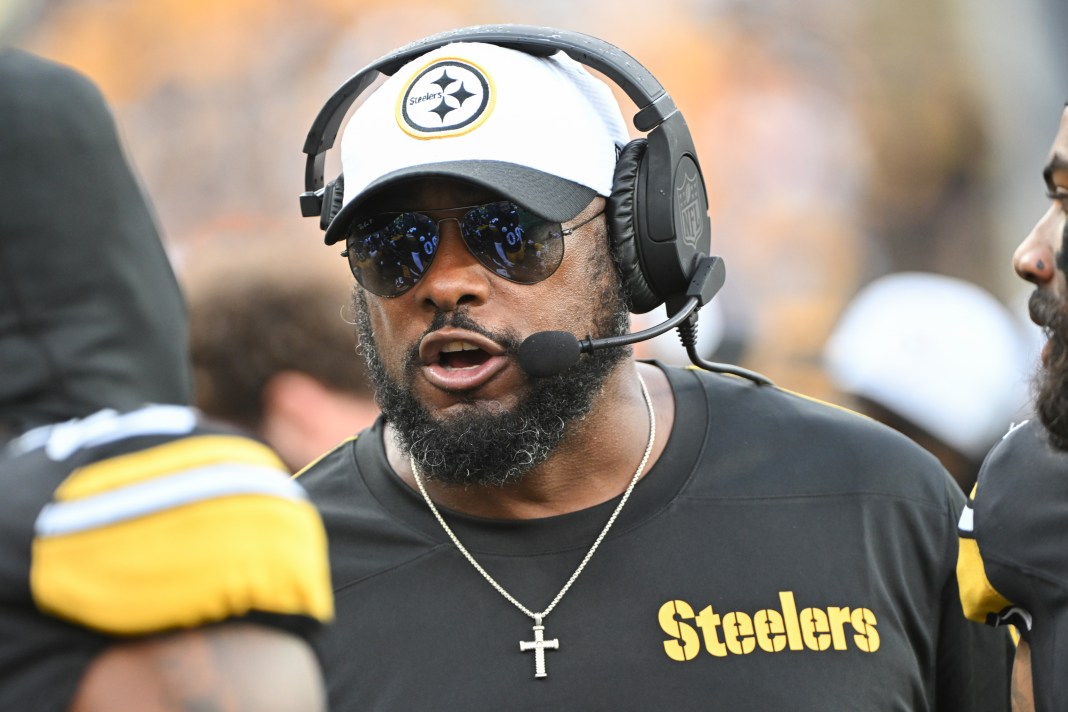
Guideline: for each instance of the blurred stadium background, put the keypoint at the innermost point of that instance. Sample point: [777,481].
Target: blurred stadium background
[840,139]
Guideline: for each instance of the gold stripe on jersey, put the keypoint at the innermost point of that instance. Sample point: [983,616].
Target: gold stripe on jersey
[313,463]
[978,596]
[198,563]
[174,456]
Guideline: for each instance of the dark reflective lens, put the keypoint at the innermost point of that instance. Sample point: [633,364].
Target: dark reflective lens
[512,242]
[389,253]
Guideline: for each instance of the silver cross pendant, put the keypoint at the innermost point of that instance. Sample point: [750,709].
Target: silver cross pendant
[539,646]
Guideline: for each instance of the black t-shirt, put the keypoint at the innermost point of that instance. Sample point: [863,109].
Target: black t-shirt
[130,524]
[780,555]
[1013,565]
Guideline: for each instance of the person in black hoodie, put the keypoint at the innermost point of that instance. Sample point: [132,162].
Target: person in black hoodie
[148,560]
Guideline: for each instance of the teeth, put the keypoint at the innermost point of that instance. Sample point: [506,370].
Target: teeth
[454,346]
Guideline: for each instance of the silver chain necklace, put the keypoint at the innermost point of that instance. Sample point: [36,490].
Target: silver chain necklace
[539,645]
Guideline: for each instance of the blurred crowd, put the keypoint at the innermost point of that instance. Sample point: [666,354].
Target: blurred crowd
[840,141]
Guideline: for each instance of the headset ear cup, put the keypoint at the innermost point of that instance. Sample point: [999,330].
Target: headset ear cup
[623,233]
[333,197]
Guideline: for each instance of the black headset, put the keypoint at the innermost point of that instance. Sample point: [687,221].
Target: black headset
[658,210]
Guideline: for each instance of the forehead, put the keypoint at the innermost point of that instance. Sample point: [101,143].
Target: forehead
[428,194]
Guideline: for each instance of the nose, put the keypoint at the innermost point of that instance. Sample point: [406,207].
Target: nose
[455,278]
[1034,259]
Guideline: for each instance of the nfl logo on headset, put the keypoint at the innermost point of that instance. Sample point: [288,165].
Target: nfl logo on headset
[688,197]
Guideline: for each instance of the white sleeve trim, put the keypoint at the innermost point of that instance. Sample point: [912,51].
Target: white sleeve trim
[186,487]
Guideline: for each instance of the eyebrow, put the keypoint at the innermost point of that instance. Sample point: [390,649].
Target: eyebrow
[1056,163]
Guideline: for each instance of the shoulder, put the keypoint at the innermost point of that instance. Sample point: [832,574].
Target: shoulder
[1023,460]
[1011,548]
[330,480]
[319,471]
[1021,491]
[158,521]
[810,445]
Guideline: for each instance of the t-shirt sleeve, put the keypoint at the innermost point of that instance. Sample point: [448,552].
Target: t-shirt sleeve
[992,525]
[185,531]
[979,599]
[975,662]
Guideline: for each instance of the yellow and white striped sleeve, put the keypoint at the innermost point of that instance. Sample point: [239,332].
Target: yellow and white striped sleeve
[191,531]
[980,600]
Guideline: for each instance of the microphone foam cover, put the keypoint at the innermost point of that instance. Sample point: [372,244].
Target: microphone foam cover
[547,353]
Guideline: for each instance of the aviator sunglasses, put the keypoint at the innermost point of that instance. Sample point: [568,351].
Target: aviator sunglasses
[390,252]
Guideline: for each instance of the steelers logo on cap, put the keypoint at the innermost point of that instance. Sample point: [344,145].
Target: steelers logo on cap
[448,97]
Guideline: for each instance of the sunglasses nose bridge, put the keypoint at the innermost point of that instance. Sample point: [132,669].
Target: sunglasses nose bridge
[459,236]
[458,276]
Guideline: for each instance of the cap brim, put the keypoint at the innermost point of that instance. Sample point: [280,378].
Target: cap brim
[549,196]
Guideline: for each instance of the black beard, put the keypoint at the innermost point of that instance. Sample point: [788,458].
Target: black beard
[1050,384]
[479,448]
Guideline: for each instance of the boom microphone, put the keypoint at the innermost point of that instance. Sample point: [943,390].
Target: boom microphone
[547,353]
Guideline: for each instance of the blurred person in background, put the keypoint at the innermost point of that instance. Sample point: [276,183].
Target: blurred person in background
[1013,565]
[149,561]
[272,350]
[938,358]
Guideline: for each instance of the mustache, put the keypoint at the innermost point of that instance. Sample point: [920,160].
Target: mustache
[508,339]
[1044,309]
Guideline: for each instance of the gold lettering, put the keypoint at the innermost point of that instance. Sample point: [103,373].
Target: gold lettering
[738,633]
[814,629]
[769,630]
[789,615]
[867,638]
[708,621]
[671,618]
[772,630]
[838,618]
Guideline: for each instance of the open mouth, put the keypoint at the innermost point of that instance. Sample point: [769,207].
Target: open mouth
[456,360]
[459,355]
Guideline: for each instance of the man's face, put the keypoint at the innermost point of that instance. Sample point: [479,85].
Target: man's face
[443,354]
[1043,260]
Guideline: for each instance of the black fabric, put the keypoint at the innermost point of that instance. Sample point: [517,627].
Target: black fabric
[90,312]
[1020,518]
[623,232]
[761,498]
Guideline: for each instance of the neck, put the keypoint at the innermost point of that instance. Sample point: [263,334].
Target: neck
[593,464]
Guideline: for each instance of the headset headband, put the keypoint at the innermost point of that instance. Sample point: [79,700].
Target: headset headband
[658,209]
[654,104]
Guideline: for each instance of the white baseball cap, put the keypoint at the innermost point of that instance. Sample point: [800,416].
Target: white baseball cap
[938,351]
[541,131]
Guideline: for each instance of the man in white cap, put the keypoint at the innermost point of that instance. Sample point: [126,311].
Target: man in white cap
[618,535]
[1013,565]
[937,358]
